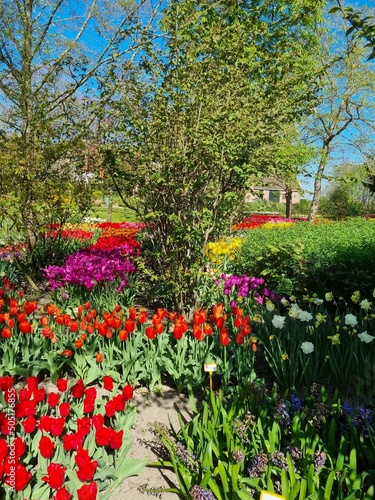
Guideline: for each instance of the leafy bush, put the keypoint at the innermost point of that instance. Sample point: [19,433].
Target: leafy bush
[331,256]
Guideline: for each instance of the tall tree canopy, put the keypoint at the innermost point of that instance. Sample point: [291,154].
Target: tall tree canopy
[344,118]
[50,52]
[209,113]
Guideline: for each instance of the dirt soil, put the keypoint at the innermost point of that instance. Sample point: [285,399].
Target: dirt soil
[163,407]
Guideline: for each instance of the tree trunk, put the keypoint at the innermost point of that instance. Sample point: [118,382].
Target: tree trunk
[288,203]
[318,184]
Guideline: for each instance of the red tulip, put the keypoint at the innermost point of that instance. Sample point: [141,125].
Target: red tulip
[88,491]
[56,475]
[46,447]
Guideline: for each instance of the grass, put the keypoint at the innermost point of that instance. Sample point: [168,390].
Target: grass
[119,214]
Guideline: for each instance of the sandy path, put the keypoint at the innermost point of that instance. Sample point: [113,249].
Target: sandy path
[152,408]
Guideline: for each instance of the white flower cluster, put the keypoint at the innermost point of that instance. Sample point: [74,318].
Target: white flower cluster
[296,312]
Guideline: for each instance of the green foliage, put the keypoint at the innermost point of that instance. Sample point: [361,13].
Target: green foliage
[46,140]
[282,266]
[236,447]
[347,194]
[202,118]
[260,206]
[360,25]
[49,250]
[335,256]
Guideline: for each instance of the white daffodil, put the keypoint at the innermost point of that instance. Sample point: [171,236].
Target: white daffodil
[356,297]
[307,347]
[294,311]
[365,304]
[278,321]
[328,296]
[351,320]
[304,316]
[365,337]
[318,302]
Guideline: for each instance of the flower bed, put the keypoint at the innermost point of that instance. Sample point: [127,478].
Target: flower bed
[67,442]
[249,436]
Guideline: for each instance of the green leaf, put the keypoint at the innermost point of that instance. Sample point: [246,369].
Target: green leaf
[329,485]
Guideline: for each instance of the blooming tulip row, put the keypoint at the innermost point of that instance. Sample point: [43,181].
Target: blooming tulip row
[52,444]
[91,266]
[255,220]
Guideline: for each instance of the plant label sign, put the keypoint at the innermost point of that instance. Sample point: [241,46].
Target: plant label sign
[210,367]
[264,495]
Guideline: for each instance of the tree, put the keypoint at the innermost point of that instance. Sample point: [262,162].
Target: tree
[207,117]
[346,194]
[345,114]
[360,25]
[50,54]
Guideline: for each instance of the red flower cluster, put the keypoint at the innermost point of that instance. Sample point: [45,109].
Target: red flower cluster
[74,234]
[36,411]
[15,315]
[119,235]
[254,221]
[115,326]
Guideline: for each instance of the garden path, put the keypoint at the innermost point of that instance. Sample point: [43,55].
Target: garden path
[161,407]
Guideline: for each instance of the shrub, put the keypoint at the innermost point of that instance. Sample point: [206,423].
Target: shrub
[332,256]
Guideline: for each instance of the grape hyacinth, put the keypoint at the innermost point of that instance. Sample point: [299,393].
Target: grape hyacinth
[238,456]
[278,459]
[281,414]
[199,493]
[187,458]
[296,403]
[258,465]
[363,418]
[294,452]
[319,460]
[241,427]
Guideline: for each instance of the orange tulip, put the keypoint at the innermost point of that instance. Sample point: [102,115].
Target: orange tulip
[150,332]
[207,329]
[78,343]
[21,317]
[142,317]
[30,306]
[132,313]
[6,333]
[46,332]
[218,310]
[123,335]
[43,321]
[67,353]
[129,325]
[90,329]
[99,357]
[25,327]
[73,327]
[102,329]
[198,333]
[116,323]
[51,309]
[199,317]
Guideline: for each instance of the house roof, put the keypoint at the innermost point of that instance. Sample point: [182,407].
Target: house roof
[275,183]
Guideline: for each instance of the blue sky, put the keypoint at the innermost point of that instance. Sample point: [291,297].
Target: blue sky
[345,153]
